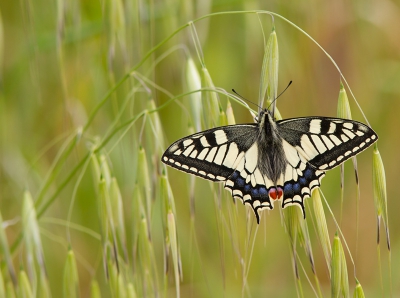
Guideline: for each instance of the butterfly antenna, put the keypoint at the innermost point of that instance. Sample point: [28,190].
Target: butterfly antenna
[241,97]
[272,103]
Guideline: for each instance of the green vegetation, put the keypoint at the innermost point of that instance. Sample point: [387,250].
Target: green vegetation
[93,92]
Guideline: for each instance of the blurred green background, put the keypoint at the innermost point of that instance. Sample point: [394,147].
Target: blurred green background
[58,59]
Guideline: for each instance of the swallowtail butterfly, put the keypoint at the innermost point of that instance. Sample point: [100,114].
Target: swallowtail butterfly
[267,161]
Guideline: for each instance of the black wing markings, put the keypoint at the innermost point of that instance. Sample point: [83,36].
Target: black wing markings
[211,154]
[326,142]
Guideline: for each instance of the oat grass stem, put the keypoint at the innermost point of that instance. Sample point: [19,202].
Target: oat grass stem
[340,232]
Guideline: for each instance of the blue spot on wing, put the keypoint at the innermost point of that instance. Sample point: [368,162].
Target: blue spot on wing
[263,191]
[301,188]
[259,192]
[240,182]
[254,192]
[234,175]
[288,190]
[308,173]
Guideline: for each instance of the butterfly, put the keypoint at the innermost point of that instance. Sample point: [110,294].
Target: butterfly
[268,161]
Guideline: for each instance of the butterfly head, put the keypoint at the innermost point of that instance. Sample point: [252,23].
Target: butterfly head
[260,118]
[265,119]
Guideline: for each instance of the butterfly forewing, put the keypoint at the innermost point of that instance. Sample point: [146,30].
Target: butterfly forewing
[212,154]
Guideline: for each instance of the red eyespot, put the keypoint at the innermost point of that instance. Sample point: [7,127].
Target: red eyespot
[280,192]
[272,193]
[275,193]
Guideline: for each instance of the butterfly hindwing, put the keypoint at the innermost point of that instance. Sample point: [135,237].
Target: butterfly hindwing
[247,183]
[300,177]
[326,142]
[211,154]
[257,190]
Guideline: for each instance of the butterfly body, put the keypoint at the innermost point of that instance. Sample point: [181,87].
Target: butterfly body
[270,160]
[271,156]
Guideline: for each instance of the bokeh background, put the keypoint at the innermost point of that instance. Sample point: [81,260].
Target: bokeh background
[58,59]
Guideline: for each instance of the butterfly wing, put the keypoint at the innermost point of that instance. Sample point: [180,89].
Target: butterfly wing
[212,154]
[326,142]
[314,145]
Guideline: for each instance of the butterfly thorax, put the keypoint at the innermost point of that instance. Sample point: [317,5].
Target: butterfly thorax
[271,156]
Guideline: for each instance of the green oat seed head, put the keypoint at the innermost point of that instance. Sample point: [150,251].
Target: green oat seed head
[137,214]
[344,274]
[211,99]
[43,287]
[105,169]
[96,169]
[117,281]
[121,286]
[10,292]
[269,71]
[339,276]
[343,111]
[2,287]
[1,48]
[144,258]
[343,106]
[222,119]
[71,278]
[33,243]
[144,182]
[113,277]
[169,224]
[95,289]
[321,227]
[193,82]
[131,293]
[297,230]
[117,34]
[5,252]
[358,291]
[173,242]
[157,129]
[229,114]
[24,289]
[166,198]
[380,194]
[103,210]
[117,208]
